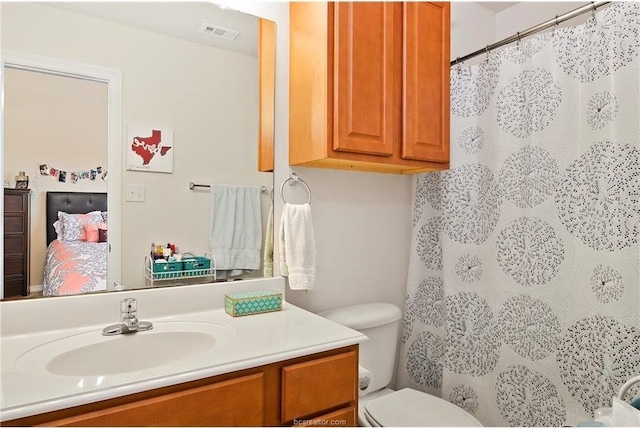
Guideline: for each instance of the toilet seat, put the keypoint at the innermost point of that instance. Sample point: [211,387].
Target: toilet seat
[409,407]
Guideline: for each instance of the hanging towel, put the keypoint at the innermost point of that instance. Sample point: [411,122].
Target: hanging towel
[298,246]
[268,246]
[236,228]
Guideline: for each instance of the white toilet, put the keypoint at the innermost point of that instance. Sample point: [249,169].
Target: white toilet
[382,406]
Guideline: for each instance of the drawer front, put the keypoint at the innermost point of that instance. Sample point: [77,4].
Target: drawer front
[14,203]
[314,386]
[15,286]
[13,223]
[14,266]
[346,417]
[236,402]
[14,245]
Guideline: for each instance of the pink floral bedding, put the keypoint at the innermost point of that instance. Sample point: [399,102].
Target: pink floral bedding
[75,267]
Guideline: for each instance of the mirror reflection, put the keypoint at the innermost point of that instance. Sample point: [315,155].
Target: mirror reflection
[189,180]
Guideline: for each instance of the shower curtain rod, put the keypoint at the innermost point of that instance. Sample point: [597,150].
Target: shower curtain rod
[520,35]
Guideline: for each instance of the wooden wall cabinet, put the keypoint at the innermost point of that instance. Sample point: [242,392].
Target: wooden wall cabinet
[306,391]
[16,242]
[267,93]
[369,86]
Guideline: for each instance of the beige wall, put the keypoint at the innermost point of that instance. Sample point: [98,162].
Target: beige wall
[54,120]
[207,96]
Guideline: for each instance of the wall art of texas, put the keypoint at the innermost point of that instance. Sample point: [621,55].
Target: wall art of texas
[150,149]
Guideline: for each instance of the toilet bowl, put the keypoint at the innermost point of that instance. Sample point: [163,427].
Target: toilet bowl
[379,405]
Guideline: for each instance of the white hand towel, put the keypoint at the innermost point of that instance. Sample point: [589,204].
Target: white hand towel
[236,227]
[298,246]
[268,246]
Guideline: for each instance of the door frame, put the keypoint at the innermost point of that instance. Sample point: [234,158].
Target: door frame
[113,79]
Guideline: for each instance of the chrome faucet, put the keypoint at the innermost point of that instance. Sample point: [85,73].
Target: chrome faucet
[129,322]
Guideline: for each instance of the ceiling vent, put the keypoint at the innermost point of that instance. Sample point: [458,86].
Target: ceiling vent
[218,31]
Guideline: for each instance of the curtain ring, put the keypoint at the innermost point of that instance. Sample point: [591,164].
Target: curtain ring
[518,43]
[556,21]
[486,49]
[593,10]
[458,64]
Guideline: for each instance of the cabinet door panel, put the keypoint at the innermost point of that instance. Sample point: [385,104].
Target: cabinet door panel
[426,81]
[366,80]
[14,203]
[236,402]
[13,223]
[318,385]
[14,245]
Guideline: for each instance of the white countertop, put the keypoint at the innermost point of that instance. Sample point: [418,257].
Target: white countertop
[259,339]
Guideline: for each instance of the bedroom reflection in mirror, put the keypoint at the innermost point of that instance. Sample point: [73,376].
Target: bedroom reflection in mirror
[144,65]
[50,248]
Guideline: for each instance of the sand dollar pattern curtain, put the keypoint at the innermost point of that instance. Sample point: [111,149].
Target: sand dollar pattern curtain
[523,303]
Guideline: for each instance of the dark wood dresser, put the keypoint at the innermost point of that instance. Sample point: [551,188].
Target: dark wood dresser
[16,242]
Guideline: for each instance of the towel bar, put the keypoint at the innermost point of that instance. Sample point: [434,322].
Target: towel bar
[193,185]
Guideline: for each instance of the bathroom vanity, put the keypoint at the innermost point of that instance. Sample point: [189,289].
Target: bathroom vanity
[282,368]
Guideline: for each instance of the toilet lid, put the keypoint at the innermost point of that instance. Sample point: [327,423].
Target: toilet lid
[411,408]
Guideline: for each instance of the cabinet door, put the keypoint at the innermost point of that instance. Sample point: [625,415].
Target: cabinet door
[236,402]
[367,64]
[426,81]
[315,386]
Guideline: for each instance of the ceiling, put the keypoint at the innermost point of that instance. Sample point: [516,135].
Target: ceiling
[497,6]
[177,19]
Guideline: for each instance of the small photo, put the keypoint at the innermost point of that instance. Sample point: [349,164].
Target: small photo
[99,169]
[74,177]
[62,176]
[104,176]
[44,169]
[84,175]
[93,174]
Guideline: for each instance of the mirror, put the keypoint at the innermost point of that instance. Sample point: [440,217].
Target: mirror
[182,73]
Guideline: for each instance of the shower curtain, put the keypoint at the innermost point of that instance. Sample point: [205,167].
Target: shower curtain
[522,303]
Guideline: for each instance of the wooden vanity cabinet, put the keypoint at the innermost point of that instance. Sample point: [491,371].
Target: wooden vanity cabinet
[16,242]
[369,85]
[308,390]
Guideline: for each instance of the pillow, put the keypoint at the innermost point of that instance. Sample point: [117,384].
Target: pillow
[57,226]
[73,224]
[91,232]
[102,234]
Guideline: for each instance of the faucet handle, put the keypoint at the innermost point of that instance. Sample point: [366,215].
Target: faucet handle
[129,307]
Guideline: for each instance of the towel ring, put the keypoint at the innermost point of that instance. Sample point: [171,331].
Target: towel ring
[293,177]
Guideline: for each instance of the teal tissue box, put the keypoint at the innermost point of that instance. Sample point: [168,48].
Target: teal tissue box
[252,302]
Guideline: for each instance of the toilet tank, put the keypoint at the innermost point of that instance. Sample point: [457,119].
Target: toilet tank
[379,322]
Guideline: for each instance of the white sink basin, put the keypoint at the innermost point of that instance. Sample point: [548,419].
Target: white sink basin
[92,354]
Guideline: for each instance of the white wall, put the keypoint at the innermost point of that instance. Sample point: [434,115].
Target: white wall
[528,14]
[472,27]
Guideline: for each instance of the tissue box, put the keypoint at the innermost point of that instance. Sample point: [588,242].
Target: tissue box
[253,302]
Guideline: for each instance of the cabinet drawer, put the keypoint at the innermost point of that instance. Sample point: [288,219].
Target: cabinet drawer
[236,402]
[14,266]
[313,386]
[15,286]
[14,203]
[14,245]
[13,223]
[340,418]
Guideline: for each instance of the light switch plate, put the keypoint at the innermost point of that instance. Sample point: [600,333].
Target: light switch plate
[135,193]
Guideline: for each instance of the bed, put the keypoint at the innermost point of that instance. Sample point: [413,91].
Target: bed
[75,262]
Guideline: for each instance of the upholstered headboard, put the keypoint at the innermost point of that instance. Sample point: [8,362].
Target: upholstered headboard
[72,203]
